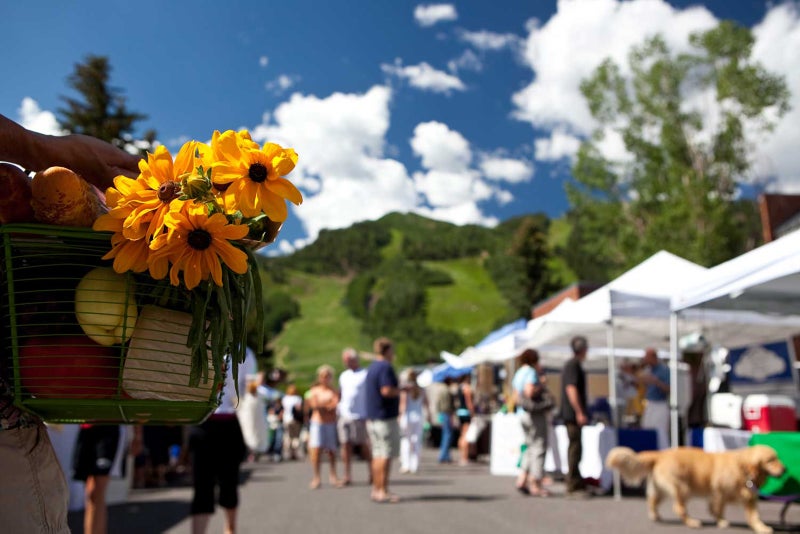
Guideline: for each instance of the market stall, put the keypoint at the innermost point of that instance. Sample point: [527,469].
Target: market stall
[597,440]
[755,297]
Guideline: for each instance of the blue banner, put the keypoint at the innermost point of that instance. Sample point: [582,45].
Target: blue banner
[757,364]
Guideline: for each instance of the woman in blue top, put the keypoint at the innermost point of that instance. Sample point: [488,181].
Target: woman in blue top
[528,382]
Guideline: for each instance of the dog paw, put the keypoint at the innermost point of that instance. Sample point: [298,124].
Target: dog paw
[763,529]
[723,523]
[693,523]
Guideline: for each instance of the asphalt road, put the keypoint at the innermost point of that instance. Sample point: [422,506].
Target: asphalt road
[275,498]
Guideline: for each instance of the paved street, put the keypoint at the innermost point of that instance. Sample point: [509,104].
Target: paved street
[441,498]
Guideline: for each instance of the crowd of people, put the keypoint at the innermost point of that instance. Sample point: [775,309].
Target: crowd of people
[367,411]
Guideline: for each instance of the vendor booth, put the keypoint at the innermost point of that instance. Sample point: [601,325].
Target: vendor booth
[631,313]
[761,287]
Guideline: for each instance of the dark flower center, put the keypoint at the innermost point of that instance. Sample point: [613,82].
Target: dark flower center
[168,191]
[199,239]
[257,172]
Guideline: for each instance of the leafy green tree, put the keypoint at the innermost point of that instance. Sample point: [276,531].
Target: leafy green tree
[101,110]
[678,187]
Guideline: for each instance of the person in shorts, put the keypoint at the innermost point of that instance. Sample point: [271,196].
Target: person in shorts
[352,422]
[95,450]
[322,402]
[383,409]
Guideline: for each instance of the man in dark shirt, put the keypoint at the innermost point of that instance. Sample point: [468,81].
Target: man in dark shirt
[383,406]
[573,411]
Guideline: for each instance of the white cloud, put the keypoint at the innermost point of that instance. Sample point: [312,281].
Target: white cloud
[559,145]
[32,117]
[430,14]
[280,84]
[572,43]
[263,61]
[488,40]
[466,213]
[777,41]
[506,169]
[468,60]
[342,170]
[441,148]
[578,38]
[425,77]
[451,187]
[444,188]
[177,142]
[503,197]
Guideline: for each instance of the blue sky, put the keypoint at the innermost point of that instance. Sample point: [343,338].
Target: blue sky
[467,111]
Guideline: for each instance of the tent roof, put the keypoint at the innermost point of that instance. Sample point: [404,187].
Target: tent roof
[637,302]
[766,279]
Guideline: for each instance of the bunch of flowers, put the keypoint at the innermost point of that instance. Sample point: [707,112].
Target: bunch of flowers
[192,223]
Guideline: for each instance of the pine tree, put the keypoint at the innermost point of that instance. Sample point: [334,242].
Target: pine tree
[101,110]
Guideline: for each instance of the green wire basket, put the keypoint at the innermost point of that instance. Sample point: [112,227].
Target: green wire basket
[88,345]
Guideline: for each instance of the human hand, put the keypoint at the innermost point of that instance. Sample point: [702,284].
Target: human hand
[97,161]
[581,419]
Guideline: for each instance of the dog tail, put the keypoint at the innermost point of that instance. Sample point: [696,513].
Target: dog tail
[633,467]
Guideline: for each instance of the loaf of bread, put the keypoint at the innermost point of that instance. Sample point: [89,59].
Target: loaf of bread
[61,197]
[15,202]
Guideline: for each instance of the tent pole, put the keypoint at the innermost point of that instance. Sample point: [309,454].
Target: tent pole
[673,379]
[612,391]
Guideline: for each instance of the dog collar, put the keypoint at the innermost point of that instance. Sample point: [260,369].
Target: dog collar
[751,485]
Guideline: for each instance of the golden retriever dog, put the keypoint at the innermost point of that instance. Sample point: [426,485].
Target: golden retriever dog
[683,472]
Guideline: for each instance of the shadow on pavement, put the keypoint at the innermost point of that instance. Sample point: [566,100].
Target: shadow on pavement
[452,497]
[420,482]
[136,518]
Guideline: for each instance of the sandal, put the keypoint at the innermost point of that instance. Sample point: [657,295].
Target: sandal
[523,490]
[389,498]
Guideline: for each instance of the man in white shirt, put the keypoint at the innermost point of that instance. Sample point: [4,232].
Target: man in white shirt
[352,425]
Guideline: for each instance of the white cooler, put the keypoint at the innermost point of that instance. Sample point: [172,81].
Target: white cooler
[725,409]
[769,413]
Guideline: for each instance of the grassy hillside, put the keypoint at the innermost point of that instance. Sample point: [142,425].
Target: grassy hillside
[471,306]
[323,329]
[429,285]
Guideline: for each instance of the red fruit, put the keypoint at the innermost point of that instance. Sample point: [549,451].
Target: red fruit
[15,201]
[68,367]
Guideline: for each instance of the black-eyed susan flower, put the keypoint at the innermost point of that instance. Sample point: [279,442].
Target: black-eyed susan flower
[252,177]
[180,218]
[160,189]
[128,255]
[198,244]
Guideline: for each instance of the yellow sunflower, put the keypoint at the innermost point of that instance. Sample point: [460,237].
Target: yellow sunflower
[128,255]
[159,188]
[196,244]
[254,176]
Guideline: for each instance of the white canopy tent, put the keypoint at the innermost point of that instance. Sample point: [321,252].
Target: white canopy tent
[631,312]
[761,286]
[636,301]
[766,279]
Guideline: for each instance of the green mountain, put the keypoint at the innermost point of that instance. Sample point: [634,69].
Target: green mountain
[428,285]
